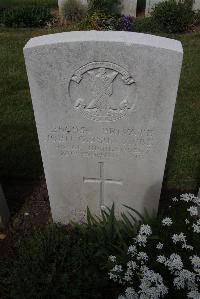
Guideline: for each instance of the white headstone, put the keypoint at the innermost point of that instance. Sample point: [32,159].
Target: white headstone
[61,2]
[196,5]
[4,212]
[104,104]
[129,7]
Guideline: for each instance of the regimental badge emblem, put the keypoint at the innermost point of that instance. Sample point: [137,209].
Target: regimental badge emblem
[103,91]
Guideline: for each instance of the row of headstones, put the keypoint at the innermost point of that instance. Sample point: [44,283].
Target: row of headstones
[129,7]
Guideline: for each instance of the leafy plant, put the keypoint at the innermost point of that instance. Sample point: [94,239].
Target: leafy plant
[71,262]
[98,21]
[196,20]
[25,16]
[146,25]
[172,16]
[73,10]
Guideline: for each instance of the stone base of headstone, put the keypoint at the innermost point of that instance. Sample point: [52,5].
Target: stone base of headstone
[4,212]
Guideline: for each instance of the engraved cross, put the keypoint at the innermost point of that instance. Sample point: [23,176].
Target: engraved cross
[102,181]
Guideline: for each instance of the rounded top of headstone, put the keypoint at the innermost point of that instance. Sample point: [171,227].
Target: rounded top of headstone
[129,38]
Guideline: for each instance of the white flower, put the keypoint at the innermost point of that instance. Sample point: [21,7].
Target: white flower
[132,265]
[131,293]
[161,259]
[112,258]
[190,198]
[132,250]
[144,268]
[196,227]
[159,245]
[117,268]
[141,240]
[167,221]
[193,295]
[174,199]
[196,200]
[142,256]
[145,230]
[128,275]
[193,211]
[195,260]
[114,273]
[189,247]
[112,276]
[152,286]
[174,262]
[187,197]
[179,238]
[184,279]
[187,221]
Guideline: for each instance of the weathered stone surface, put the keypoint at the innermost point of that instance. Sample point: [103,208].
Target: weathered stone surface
[4,212]
[103,103]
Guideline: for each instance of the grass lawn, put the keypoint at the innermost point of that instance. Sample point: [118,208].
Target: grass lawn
[19,149]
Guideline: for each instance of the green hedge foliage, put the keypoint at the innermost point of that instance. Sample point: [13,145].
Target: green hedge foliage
[172,16]
[22,3]
[25,16]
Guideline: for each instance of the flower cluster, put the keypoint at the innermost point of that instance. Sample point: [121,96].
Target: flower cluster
[167,221]
[182,239]
[124,23]
[144,232]
[196,227]
[150,283]
[141,276]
